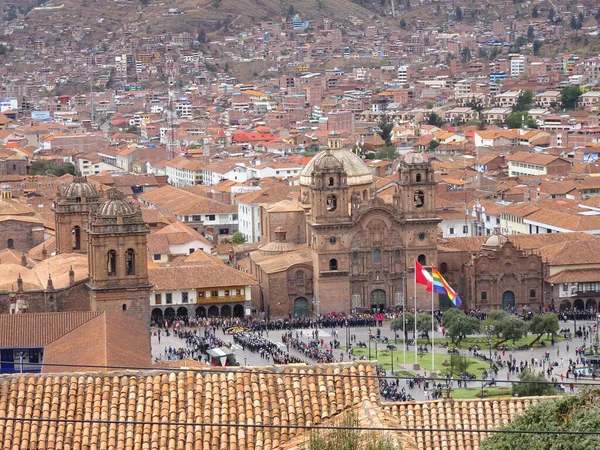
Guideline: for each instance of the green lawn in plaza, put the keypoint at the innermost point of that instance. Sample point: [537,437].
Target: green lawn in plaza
[441,358]
[483,342]
[473,392]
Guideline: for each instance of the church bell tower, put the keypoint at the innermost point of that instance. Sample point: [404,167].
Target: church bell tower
[118,258]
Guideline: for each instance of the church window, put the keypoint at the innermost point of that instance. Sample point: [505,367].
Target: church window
[111,263]
[331,181]
[331,203]
[422,260]
[421,236]
[333,265]
[184,297]
[10,243]
[124,307]
[443,268]
[376,256]
[365,195]
[419,199]
[77,199]
[355,256]
[532,293]
[300,277]
[76,238]
[484,295]
[418,178]
[397,254]
[130,262]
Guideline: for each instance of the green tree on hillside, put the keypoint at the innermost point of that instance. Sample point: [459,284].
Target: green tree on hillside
[570,96]
[531,389]
[43,167]
[385,130]
[458,13]
[435,120]
[537,45]
[238,238]
[534,12]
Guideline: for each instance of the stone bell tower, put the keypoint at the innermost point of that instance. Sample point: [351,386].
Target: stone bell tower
[417,201]
[118,258]
[71,214]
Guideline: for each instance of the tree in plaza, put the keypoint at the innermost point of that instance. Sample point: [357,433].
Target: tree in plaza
[569,96]
[520,119]
[532,389]
[578,412]
[514,329]
[493,325]
[238,238]
[458,325]
[398,324]
[543,324]
[424,325]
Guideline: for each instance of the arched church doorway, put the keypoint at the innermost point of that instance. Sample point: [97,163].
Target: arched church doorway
[378,298]
[508,300]
[301,307]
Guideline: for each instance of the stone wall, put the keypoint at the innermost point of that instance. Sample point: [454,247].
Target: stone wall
[24,235]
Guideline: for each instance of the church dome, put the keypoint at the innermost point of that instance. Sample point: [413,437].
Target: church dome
[495,241]
[410,158]
[115,205]
[80,188]
[357,173]
[328,162]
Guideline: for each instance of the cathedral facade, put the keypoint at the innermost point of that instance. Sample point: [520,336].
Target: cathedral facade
[360,248]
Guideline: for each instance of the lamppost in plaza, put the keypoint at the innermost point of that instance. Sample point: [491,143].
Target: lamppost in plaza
[488,331]
[347,336]
[356,303]
[369,343]
[316,303]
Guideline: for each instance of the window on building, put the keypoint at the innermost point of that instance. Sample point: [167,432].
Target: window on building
[168,298]
[76,234]
[192,250]
[443,268]
[130,262]
[157,299]
[355,256]
[422,260]
[214,293]
[376,256]
[331,181]
[10,243]
[156,257]
[111,262]
[465,229]
[333,264]
[484,295]
[184,297]
[451,230]
[300,277]
[532,293]
[419,199]
[210,217]
[418,178]
[124,307]
[226,292]
[331,203]
[201,294]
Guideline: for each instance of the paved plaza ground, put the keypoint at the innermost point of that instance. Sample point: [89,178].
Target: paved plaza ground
[558,352]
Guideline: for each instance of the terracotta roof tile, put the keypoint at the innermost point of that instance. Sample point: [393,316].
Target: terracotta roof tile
[282,395]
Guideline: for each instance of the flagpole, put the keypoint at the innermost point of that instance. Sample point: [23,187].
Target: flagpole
[432,330]
[404,322]
[415,298]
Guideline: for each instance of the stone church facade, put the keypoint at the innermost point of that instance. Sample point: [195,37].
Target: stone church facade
[360,249]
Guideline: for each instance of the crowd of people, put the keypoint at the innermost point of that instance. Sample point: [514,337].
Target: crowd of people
[267,349]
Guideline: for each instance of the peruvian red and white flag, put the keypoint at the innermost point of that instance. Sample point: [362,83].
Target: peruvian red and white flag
[422,276]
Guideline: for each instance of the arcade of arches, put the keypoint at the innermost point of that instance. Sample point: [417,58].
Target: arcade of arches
[225,311]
